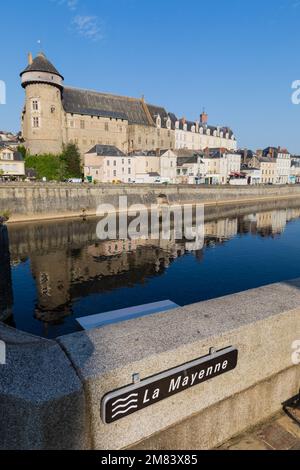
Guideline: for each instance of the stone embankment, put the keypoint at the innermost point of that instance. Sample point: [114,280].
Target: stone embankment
[36,201]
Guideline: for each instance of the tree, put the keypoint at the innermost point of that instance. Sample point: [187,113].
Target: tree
[71,157]
[22,151]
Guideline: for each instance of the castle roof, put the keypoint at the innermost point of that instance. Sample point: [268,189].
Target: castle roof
[41,64]
[134,110]
[107,151]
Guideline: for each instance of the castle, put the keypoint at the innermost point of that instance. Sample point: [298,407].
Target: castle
[55,114]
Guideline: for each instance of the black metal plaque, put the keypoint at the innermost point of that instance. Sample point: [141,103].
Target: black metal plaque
[128,400]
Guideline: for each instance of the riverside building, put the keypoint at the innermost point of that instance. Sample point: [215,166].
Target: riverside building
[55,114]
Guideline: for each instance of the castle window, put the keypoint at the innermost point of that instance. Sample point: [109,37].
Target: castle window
[71,124]
[108,163]
[106,127]
[52,109]
[35,105]
[140,140]
[115,163]
[36,122]
[82,124]
[115,173]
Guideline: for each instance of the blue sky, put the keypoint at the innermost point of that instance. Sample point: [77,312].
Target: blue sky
[236,58]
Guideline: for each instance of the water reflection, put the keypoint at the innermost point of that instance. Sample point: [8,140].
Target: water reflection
[69,265]
[6,294]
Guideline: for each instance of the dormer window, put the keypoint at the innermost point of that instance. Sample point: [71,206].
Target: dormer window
[227,135]
[201,130]
[221,134]
[208,132]
[177,124]
[158,121]
[168,123]
[185,127]
[193,129]
[215,133]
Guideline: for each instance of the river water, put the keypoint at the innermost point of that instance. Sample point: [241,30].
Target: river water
[54,272]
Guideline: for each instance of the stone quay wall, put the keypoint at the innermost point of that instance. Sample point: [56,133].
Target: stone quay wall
[51,391]
[26,201]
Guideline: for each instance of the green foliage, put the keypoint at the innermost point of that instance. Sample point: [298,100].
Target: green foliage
[5,215]
[47,165]
[71,159]
[22,151]
[56,167]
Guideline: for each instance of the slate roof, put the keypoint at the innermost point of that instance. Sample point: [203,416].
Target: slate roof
[107,151]
[86,102]
[158,110]
[41,64]
[187,160]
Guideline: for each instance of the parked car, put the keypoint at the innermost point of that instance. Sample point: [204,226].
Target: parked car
[75,180]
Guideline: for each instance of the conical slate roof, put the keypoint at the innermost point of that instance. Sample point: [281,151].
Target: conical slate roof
[41,64]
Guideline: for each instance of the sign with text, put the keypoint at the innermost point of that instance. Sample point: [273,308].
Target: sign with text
[128,400]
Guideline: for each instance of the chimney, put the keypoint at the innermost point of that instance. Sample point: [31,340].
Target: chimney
[30,60]
[204,118]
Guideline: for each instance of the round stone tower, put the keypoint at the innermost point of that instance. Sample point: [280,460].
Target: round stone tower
[42,117]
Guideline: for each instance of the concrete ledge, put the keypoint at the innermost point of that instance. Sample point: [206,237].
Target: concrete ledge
[51,391]
[211,427]
[42,404]
[262,323]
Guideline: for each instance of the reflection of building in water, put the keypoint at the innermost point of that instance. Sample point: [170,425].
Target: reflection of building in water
[271,222]
[268,223]
[223,229]
[51,274]
[68,264]
[63,276]
[292,214]
[6,294]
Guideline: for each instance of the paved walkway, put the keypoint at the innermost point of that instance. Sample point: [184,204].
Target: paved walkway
[280,433]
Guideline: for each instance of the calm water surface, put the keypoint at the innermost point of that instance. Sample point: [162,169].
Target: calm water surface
[51,273]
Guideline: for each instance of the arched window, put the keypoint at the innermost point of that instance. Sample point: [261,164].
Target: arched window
[158,121]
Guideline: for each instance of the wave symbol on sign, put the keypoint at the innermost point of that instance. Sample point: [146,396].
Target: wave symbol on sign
[123,405]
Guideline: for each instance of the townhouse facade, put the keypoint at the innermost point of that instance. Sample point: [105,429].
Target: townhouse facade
[12,164]
[199,135]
